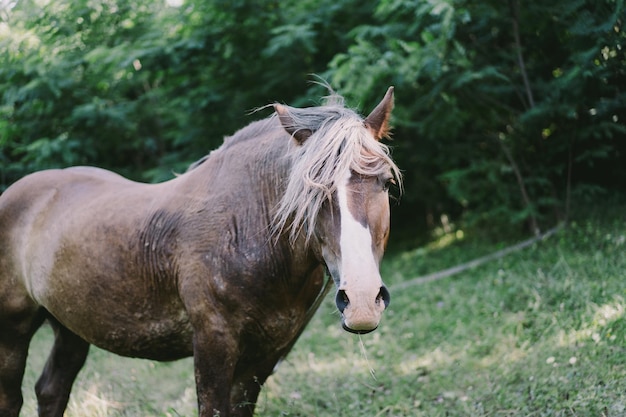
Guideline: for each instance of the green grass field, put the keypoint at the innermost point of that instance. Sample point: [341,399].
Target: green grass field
[541,332]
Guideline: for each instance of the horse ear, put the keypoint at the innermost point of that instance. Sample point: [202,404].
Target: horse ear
[298,133]
[378,120]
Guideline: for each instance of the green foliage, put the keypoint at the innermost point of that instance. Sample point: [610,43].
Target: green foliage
[499,104]
[69,85]
[476,125]
[145,89]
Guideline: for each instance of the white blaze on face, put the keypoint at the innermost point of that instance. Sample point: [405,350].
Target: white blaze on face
[359,275]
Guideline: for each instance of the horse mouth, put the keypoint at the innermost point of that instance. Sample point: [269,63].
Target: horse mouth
[349,330]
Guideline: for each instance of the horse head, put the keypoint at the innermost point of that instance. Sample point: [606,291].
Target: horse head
[344,163]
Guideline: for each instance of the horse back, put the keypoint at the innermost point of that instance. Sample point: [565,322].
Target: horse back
[28,204]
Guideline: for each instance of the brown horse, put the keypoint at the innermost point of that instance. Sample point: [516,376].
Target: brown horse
[224,262]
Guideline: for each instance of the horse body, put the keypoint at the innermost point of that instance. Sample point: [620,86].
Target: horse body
[187,267]
[94,275]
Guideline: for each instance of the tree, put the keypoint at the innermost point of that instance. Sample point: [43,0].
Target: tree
[145,90]
[502,98]
[500,105]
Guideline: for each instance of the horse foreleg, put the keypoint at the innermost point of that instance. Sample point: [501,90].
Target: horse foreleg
[214,360]
[55,383]
[247,386]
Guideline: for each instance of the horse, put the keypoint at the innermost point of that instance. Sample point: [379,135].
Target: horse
[226,262]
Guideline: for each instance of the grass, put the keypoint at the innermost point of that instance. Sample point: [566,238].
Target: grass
[541,332]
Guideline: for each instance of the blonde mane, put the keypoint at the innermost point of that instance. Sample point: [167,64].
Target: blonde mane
[339,142]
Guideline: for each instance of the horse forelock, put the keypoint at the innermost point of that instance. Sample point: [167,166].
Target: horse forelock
[340,143]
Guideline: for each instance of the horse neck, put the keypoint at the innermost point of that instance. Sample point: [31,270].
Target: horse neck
[251,171]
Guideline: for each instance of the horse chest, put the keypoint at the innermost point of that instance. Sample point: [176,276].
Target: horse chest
[278,319]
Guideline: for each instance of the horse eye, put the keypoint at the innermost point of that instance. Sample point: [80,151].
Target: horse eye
[388,184]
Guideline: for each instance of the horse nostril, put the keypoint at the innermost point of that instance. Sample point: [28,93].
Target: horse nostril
[384,295]
[342,300]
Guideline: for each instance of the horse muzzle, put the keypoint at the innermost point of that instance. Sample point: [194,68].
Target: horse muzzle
[361,314]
